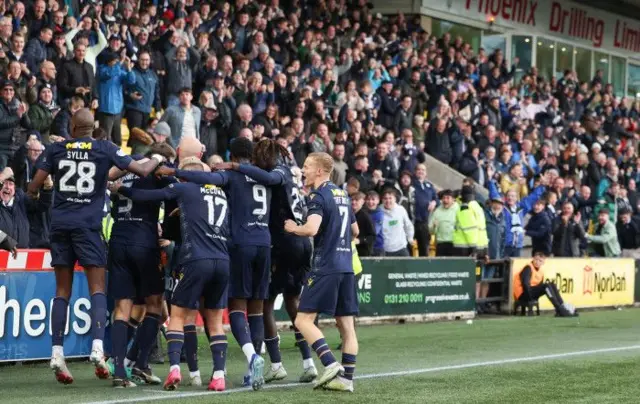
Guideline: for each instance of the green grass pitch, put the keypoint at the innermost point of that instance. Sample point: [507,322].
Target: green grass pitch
[592,359]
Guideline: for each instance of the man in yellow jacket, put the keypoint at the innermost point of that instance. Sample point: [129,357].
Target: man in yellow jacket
[468,226]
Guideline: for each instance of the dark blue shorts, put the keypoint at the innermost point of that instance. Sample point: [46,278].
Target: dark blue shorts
[333,294]
[207,279]
[250,269]
[134,272]
[291,258]
[84,246]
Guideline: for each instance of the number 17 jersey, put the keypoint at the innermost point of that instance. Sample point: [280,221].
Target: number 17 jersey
[80,170]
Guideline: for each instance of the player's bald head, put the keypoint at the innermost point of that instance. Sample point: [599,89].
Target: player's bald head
[189,147]
[82,123]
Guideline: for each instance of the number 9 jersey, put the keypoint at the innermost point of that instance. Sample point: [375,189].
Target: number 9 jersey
[80,169]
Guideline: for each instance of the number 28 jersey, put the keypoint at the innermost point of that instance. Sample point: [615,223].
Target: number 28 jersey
[80,170]
[332,244]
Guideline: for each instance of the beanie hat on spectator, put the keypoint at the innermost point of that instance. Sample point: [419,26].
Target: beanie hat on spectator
[162,129]
[110,57]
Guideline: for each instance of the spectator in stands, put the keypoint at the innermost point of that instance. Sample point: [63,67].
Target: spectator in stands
[144,94]
[77,77]
[112,77]
[515,212]
[15,206]
[184,118]
[604,241]
[61,127]
[367,236]
[628,229]
[442,223]
[539,229]
[36,51]
[41,115]
[426,201]
[91,49]
[12,117]
[568,232]
[377,217]
[340,167]
[397,228]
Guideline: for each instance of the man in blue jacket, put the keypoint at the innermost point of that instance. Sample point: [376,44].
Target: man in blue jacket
[143,94]
[426,202]
[515,212]
[112,77]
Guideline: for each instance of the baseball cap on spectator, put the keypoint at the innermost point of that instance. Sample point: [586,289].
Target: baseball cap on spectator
[115,37]
[497,200]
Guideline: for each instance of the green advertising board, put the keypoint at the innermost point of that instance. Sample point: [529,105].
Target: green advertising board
[407,286]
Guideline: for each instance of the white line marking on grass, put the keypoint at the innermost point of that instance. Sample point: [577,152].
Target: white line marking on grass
[500,362]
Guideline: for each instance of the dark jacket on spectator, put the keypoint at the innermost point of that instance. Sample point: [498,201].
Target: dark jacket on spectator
[438,145]
[74,75]
[566,238]
[425,194]
[40,222]
[629,234]
[62,124]
[539,229]
[402,120]
[387,111]
[35,53]
[14,220]
[148,85]
[367,233]
[10,123]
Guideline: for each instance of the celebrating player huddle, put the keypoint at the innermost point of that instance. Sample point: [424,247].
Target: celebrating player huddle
[229,221]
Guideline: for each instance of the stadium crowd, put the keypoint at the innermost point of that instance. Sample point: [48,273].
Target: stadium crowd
[558,155]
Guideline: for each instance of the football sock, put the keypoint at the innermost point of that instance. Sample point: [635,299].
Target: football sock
[273,349]
[58,320]
[323,352]
[131,330]
[191,346]
[98,315]
[240,330]
[218,345]
[349,365]
[256,328]
[148,333]
[175,340]
[303,346]
[119,347]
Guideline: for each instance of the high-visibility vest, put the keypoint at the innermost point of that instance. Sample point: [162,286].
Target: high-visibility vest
[357,264]
[483,240]
[465,233]
[107,224]
[537,277]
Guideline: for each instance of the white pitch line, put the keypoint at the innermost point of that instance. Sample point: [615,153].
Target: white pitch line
[376,375]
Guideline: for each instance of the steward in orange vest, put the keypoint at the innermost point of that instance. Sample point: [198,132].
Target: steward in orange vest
[529,286]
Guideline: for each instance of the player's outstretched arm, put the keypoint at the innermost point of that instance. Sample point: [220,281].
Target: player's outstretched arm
[309,229]
[146,168]
[36,183]
[263,177]
[202,178]
[115,173]
[148,195]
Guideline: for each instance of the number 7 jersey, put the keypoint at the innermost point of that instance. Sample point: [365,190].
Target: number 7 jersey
[80,170]
[332,244]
